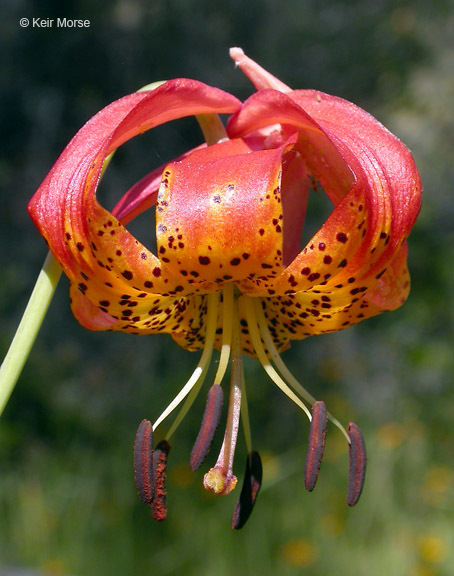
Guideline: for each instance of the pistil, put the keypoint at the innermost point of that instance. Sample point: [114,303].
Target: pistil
[220,479]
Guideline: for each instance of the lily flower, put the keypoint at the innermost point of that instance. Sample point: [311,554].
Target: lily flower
[229,272]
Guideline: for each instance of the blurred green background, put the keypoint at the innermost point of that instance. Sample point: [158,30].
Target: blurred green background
[67,497]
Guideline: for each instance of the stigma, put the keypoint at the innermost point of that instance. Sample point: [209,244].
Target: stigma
[238,315]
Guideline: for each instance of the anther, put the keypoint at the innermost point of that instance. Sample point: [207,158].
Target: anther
[249,491]
[159,505]
[316,444]
[210,423]
[143,461]
[357,467]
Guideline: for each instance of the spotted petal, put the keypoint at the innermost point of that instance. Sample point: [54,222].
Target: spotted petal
[219,214]
[106,265]
[354,266]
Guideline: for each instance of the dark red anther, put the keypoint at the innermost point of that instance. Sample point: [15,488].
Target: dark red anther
[357,467]
[143,461]
[159,505]
[316,444]
[210,423]
[249,491]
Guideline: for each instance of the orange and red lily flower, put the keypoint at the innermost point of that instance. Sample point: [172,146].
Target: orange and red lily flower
[229,272]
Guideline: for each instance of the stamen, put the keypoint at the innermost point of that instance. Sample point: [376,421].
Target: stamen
[227,314]
[228,304]
[245,415]
[357,467]
[283,368]
[200,372]
[255,334]
[159,504]
[220,479]
[249,491]
[143,461]
[316,445]
[210,423]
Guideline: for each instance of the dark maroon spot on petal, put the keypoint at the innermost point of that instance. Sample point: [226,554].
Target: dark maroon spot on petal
[266,266]
[204,260]
[245,255]
[210,423]
[80,246]
[305,271]
[84,276]
[82,287]
[235,261]
[313,276]
[118,252]
[322,246]
[343,263]
[341,237]
[159,504]
[357,466]
[148,284]
[378,276]
[316,444]
[143,462]
[383,235]
[262,231]
[156,272]
[127,274]
[249,491]
[104,303]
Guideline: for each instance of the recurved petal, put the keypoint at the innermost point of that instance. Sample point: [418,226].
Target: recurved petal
[354,251]
[323,159]
[321,309]
[97,253]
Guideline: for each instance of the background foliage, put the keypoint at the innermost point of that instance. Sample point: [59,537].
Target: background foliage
[67,498]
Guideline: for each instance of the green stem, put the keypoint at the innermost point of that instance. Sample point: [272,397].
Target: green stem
[28,328]
[212,128]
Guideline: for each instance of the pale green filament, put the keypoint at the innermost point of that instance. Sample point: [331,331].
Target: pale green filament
[227,309]
[254,333]
[200,371]
[265,333]
[227,322]
[245,416]
[28,329]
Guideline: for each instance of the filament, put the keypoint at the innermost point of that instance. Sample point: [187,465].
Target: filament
[280,365]
[254,332]
[245,416]
[201,370]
